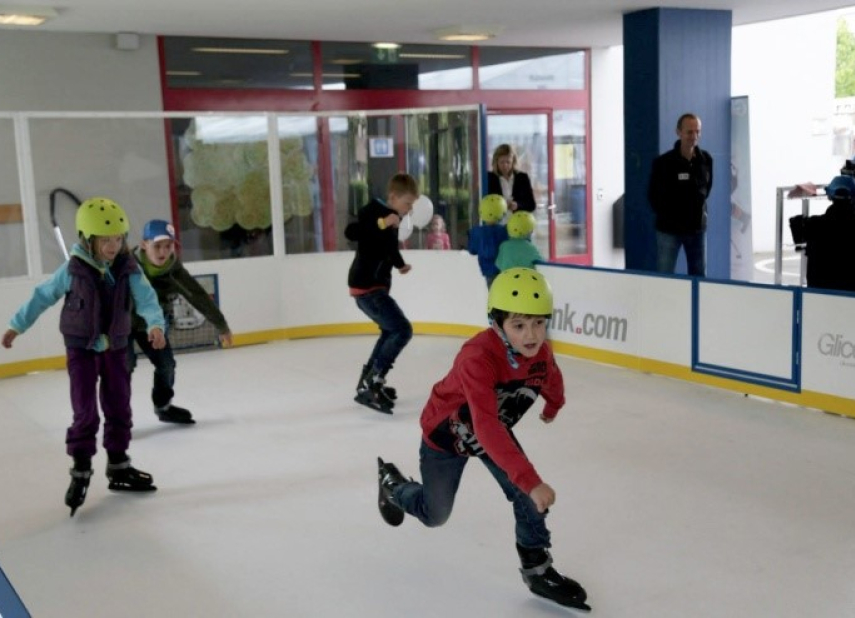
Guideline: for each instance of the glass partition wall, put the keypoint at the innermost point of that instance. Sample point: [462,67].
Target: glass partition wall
[235,185]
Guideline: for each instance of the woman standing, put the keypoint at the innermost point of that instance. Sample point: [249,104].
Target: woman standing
[506,180]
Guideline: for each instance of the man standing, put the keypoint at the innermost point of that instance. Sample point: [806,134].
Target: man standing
[680,183]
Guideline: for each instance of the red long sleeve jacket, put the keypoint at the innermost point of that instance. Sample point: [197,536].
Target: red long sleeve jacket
[473,409]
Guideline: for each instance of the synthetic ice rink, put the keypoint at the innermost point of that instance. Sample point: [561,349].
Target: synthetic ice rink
[674,500]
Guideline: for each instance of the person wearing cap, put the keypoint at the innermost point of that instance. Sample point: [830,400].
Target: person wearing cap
[680,183]
[158,260]
[828,238]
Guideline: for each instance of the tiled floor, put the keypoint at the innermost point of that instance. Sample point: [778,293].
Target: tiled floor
[674,500]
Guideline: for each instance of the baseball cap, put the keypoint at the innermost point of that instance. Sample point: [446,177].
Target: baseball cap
[158,229]
[841,186]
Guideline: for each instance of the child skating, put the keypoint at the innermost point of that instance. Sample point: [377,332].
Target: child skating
[518,251]
[370,279]
[495,379]
[485,239]
[156,256]
[100,283]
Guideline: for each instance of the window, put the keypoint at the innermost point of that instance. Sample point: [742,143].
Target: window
[511,68]
[14,262]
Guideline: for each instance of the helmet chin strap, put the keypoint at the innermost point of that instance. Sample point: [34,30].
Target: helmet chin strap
[512,360]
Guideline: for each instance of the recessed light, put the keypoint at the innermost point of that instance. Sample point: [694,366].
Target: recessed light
[467,33]
[240,50]
[184,73]
[25,15]
[385,45]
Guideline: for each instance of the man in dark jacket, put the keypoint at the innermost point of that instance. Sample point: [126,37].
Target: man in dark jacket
[370,278]
[828,238]
[680,184]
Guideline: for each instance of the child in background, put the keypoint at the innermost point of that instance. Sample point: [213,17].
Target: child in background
[485,239]
[100,283]
[518,251]
[156,256]
[495,379]
[370,279]
[437,237]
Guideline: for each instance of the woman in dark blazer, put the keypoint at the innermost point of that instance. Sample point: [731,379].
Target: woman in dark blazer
[510,183]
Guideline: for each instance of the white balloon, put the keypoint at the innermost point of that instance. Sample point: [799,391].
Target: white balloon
[405,229]
[422,211]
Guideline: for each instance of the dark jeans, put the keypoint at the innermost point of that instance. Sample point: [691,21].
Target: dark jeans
[164,367]
[668,247]
[431,500]
[395,329]
[85,369]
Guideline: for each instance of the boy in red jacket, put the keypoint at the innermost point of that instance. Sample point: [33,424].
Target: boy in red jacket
[495,379]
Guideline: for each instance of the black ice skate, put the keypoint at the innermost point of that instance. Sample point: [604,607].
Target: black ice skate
[388,478]
[124,477]
[174,414]
[370,393]
[76,493]
[389,391]
[545,581]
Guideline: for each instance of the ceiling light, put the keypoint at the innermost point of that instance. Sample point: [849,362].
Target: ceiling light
[385,45]
[467,33]
[433,56]
[184,73]
[240,50]
[25,16]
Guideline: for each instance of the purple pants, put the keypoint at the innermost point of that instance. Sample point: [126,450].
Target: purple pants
[85,368]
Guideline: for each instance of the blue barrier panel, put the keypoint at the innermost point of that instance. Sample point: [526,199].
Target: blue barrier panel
[11,605]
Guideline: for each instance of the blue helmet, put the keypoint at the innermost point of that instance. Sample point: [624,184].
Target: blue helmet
[841,187]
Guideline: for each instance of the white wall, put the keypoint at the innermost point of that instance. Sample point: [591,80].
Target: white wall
[84,72]
[786,68]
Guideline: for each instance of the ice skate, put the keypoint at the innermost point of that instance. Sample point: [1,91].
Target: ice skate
[370,393]
[388,478]
[174,414]
[389,391]
[124,477]
[545,581]
[76,493]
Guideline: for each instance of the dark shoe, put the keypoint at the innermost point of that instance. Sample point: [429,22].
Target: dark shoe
[388,478]
[390,392]
[76,493]
[174,414]
[370,393]
[545,581]
[124,477]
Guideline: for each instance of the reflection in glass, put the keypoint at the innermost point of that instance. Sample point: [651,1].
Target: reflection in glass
[14,262]
[360,66]
[571,185]
[514,68]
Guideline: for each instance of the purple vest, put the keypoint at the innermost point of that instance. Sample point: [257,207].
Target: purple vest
[93,307]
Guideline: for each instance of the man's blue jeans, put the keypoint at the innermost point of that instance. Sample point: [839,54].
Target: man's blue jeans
[668,247]
[431,500]
[395,329]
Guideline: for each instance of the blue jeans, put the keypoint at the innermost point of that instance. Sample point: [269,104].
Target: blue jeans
[164,367]
[395,329]
[431,500]
[668,246]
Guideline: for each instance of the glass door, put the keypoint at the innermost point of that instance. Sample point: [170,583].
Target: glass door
[551,147]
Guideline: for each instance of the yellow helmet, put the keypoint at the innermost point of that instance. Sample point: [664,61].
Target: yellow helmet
[520,290]
[99,216]
[492,208]
[521,224]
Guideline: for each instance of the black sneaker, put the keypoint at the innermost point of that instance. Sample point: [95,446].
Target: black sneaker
[388,478]
[174,414]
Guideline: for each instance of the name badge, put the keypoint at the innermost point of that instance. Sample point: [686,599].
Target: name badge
[683,176]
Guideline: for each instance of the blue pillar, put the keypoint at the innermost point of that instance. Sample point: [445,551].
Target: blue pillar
[676,61]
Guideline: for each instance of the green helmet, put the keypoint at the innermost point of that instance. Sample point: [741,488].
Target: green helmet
[520,290]
[521,224]
[99,216]
[492,208]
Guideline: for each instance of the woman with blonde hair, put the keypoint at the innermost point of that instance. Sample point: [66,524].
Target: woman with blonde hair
[506,180]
